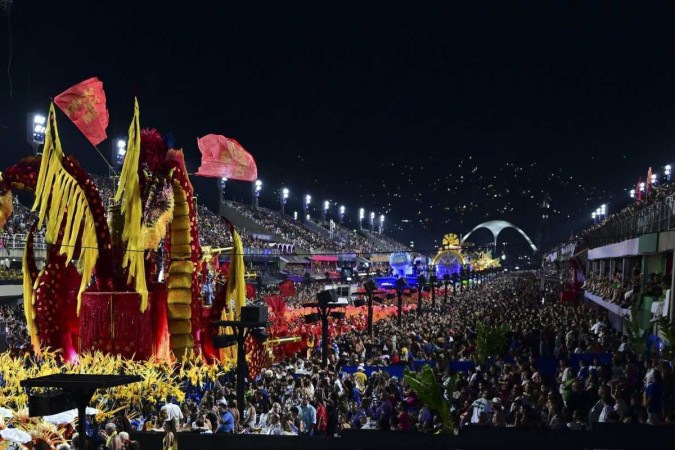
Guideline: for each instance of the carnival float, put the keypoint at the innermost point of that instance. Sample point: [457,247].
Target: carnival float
[99,288]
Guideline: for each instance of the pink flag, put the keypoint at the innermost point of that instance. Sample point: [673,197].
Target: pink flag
[225,157]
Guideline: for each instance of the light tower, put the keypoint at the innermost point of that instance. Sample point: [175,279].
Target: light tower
[362,215]
[257,187]
[308,200]
[342,213]
[283,198]
[324,213]
[381,223]
[372,221]
[37,126]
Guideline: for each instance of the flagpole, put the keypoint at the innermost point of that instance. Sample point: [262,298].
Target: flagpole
[110,167]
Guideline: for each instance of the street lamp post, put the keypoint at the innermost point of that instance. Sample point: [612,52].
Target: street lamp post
[323,309]
[283,198]
[342,213]
[401,284]
[421,281]
[369,286]
[257,187]
[455,276]
[241,332]
[432,282]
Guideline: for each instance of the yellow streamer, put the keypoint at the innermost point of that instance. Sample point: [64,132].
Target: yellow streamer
[129,192]
[58,193]
[28,307]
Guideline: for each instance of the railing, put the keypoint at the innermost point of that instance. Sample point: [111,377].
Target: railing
[18,242]
[260,251]
[631,224]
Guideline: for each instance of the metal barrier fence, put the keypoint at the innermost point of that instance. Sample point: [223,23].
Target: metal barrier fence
[654,218]
[18,242]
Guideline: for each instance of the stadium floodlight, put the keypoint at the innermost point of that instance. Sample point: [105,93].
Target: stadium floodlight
[257,187]
[36,127]
[308,200]
[362,215]
[121,151]
[283,198]
[324,213]
[39,128]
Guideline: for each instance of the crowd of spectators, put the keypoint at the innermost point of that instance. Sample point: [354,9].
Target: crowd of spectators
[292,231]
[13,321]
[19,222]
[598,377]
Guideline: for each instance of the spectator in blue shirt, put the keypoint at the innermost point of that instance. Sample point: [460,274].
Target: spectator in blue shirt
[226,419]
[308,416]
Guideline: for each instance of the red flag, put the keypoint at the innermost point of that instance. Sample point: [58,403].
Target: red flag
[85,105]
[225,157]
[287,288]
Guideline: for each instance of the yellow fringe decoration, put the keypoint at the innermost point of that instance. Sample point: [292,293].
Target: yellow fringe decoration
[58,194]
[28,303]
[129,192]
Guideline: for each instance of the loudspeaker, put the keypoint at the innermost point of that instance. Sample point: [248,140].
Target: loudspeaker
[337,314]
[224,340]
[369,285]
[254,314]
[359,302]
[51,402]
[327,296]
[312,318]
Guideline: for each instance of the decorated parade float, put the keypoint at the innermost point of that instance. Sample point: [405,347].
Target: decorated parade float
[100,288]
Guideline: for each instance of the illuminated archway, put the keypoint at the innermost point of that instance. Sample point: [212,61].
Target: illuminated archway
[448,262]
[496,227]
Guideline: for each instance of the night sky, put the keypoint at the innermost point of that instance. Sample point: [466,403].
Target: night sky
[438,116]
